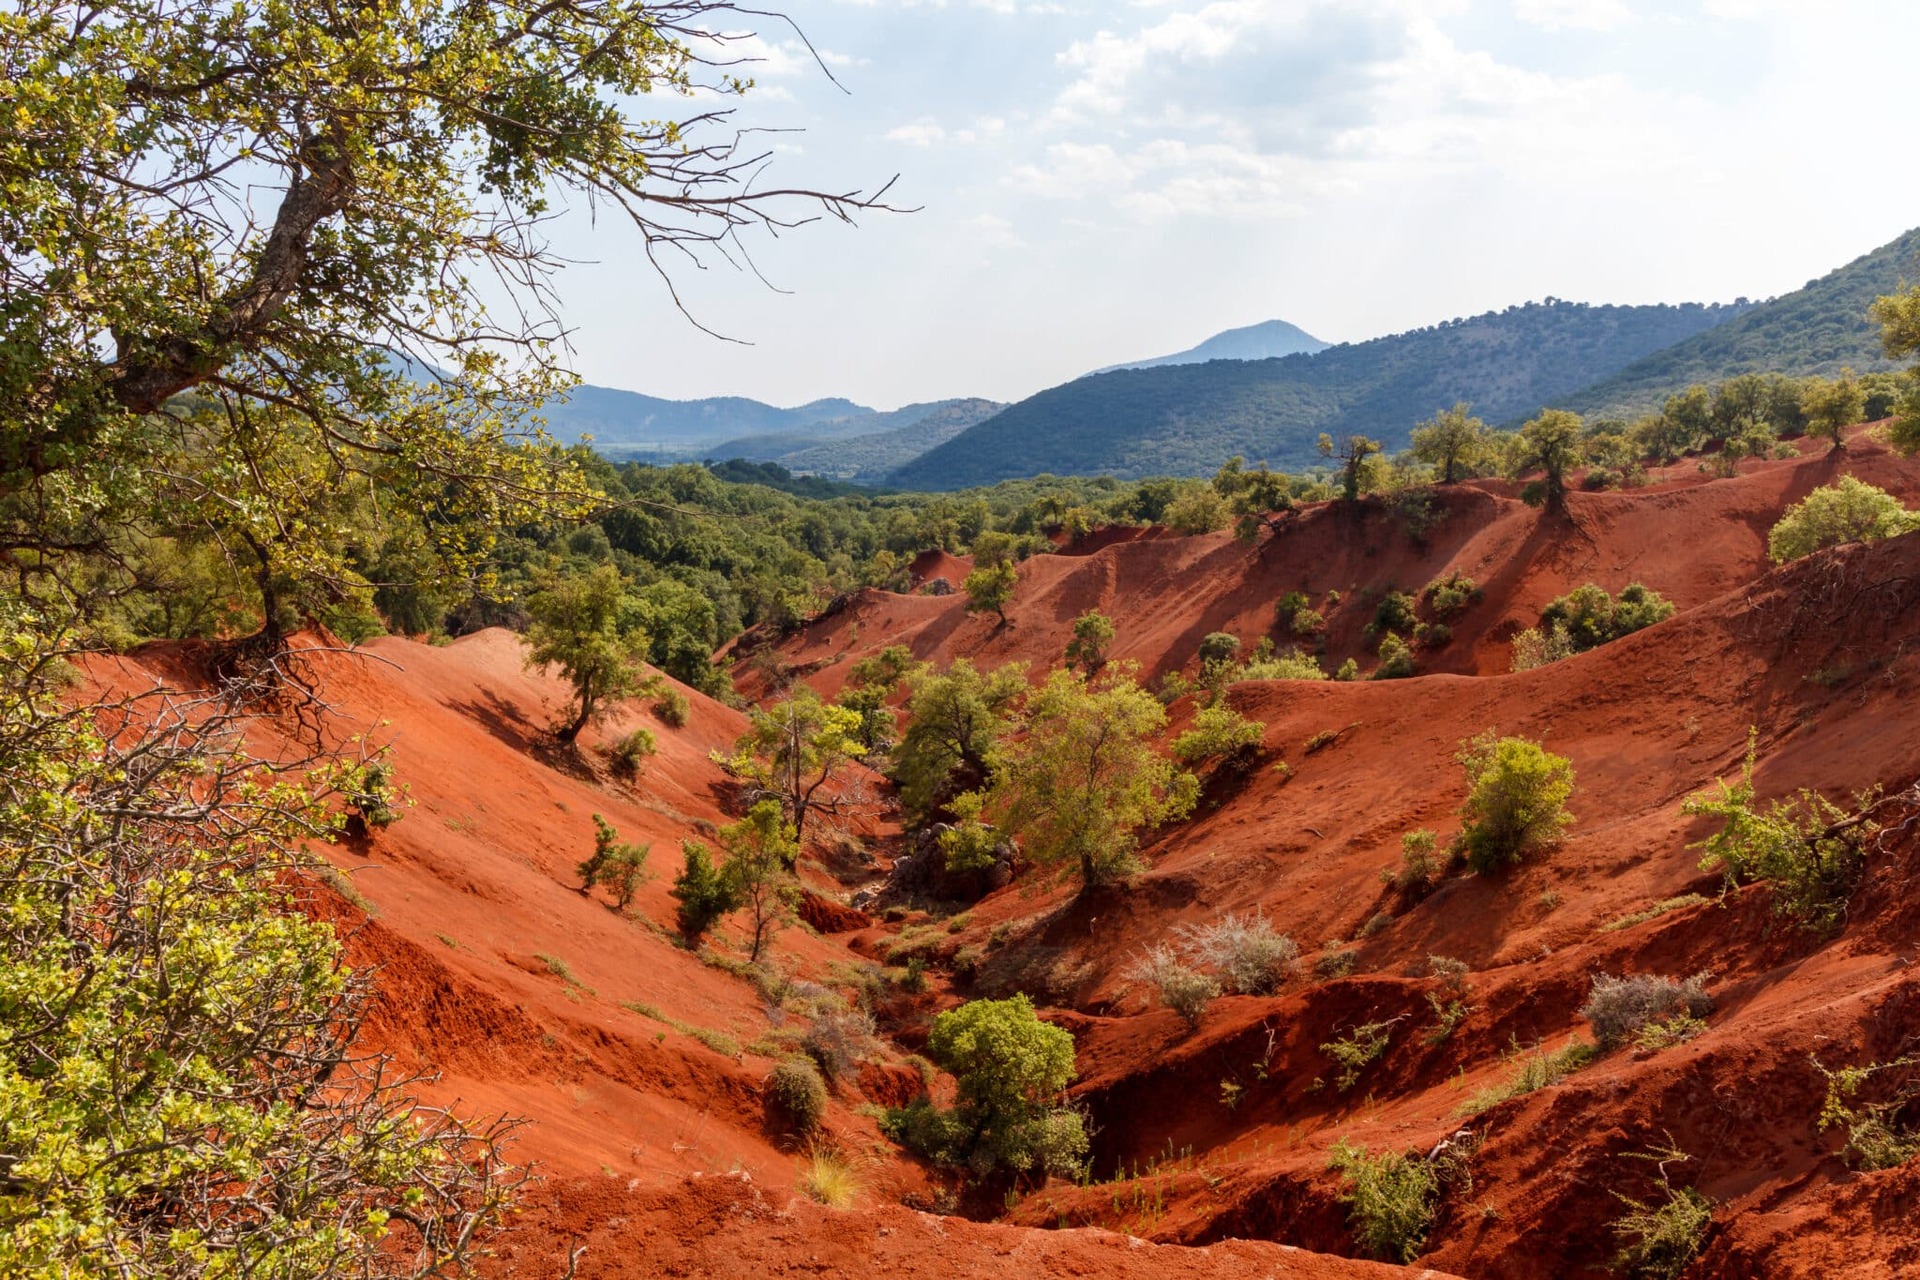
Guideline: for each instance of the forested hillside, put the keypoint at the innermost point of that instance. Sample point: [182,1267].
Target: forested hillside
[1183,419]
[1821,329]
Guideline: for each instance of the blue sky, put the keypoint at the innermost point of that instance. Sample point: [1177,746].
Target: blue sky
[1105,181]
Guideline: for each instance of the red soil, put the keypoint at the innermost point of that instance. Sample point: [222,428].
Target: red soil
[476,887]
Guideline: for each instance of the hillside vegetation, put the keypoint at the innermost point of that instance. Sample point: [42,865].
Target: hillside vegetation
[1819,329]
[1183,419]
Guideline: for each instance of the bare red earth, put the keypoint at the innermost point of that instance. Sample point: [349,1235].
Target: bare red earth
[532,998]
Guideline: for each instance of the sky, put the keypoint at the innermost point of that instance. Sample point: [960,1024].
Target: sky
[1100,182]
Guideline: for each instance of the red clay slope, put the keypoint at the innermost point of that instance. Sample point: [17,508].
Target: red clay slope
[1819,657]
[530,998]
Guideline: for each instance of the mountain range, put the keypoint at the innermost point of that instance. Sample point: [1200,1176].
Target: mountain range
[1267,391]
[1265,341]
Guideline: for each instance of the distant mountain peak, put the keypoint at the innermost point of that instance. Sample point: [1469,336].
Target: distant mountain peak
[1263,341]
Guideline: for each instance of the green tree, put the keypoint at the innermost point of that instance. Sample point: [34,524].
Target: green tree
[620,866]
[186,1091]
[794,750]
[1451,441]
[576,628]
[758,877]
[1084,779]
[870,684]
[989,588]
[1589,617]
[1848,510]
[704,892]
[1092,633]
[1898,316]
[956,723]
[1010,1069]
[234,232]
[1257,498]
[1516,800]
[1552,443]
[1352,454]
[1833,405]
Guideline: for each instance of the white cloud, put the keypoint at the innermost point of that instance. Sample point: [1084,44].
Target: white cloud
[1250,108]
[1573,15]
[921,133]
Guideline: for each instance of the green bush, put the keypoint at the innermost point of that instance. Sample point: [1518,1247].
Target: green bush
[1809,849]
[1092,633]
[620,866]
[631,750]
[1359,1049]
[1184,989]
[1880,1132]
[1219,733]
[1658,1240]
[1450,595]
[1420,863]
[1390,1197]
[1589,617]
[1537,646]
[1010,1069]
[968,844]
[1218,647]
[1395,613]
[704,892]
[671,706]
[796,1092]
[1287,664]
[1848,510]
[1396,659]
[1537,1069]
[1516,803]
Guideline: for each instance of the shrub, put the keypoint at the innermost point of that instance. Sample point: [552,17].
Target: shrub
[671,706]
[620,866]
[631,750]
[1250,957]
[1418,864]
[1395,612]
[1516,804]
[1450,595]
[1183,989]
[1450,1002]
[1847,510]
[1349,670]
[1011,1069]
[1334,961]
[1288,664]
[1219,733]
[1537,1070]
[1653,912]
[1218,647]
[968,844]
[796,1092]
[1092,633]
[830,1178]
[1618,1009]
[1390,1199]
[704,893]
[1809,849]
[370,797]
[1659,1240]
[1876,1136]
[1198,509]
[1537,646]
[1306,623]
[1590,617]
[1396,659]
[838,1040]
[1359,1049]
